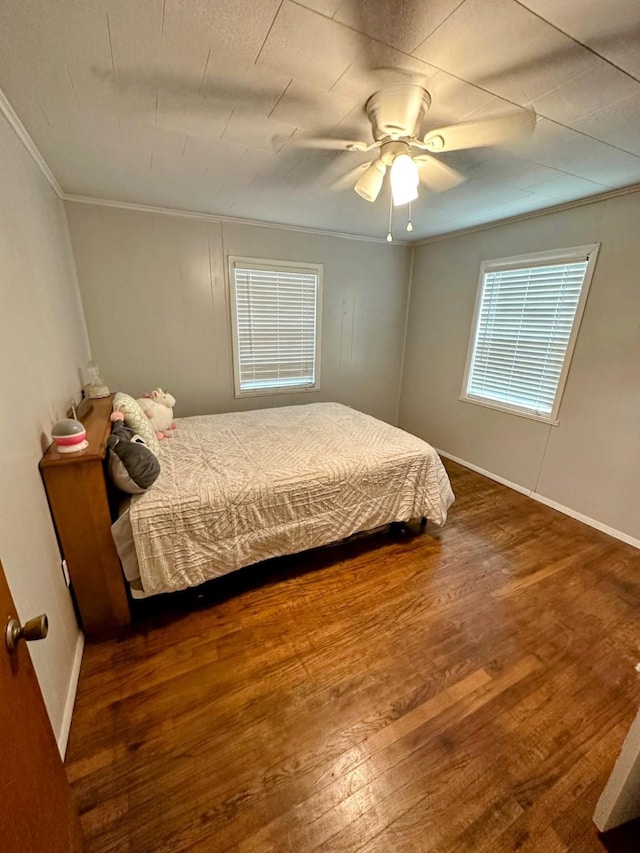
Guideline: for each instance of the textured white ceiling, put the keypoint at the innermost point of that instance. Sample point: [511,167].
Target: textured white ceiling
[195,104]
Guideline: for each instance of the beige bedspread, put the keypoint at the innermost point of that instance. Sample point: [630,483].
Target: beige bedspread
[242,487]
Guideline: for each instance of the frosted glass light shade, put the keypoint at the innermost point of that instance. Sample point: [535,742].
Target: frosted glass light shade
[370,182]
[404,180]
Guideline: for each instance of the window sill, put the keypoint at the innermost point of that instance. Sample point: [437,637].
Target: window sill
[281,391]
[486,404]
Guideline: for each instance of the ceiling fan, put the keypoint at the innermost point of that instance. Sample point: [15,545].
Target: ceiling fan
[397,115]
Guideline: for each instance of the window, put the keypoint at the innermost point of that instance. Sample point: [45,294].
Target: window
[527,316]
[275,308]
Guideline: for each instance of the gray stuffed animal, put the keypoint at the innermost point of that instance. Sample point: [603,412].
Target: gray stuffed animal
[132,466]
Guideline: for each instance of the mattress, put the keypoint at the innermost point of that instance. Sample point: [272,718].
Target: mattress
[239,488]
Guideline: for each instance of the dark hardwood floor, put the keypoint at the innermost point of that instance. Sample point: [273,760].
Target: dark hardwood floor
[464,689]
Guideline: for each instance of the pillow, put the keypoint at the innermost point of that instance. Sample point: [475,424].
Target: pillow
[136,419]
[132,466]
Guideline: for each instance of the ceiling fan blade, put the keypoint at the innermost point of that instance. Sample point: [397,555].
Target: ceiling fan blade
[478,134]
[403,23]
[436,175]
[610,44]
[329,143]
[252,92]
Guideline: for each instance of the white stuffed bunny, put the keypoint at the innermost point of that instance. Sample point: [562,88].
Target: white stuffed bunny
[158,407]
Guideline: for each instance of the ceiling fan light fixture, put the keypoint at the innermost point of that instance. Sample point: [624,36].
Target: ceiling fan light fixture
[370,182]
[404,180]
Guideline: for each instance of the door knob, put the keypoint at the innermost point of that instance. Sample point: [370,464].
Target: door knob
[34,629]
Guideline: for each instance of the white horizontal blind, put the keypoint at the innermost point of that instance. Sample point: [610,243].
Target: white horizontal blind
[276,323]
[524,326]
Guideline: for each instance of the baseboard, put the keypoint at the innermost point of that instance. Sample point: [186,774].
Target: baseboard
[65,727]
[585,519]
[485,473]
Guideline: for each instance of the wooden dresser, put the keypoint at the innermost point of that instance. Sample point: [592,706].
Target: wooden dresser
[77,492]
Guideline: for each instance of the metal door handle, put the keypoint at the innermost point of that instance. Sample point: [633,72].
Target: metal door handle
[34,629]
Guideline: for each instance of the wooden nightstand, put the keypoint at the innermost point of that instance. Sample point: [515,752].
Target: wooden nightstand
[76,489]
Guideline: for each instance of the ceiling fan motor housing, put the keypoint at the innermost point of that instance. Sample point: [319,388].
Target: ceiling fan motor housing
[392,149]
[398,111]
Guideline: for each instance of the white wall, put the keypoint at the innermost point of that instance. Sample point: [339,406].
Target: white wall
[43,343]
[156,302]
[590,463]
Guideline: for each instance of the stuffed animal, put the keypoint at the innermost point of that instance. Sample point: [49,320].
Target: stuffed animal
[126,409]
[158,407]
[132,466]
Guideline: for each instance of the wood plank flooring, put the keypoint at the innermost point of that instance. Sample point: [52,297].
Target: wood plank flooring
[460,690]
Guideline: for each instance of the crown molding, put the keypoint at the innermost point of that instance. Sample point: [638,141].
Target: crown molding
[532,214]
[23,135]
[216,217]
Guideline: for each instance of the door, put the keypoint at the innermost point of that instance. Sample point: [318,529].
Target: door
[36,806]
[620,800]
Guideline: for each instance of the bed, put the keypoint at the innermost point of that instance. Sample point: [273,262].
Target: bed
[238,488]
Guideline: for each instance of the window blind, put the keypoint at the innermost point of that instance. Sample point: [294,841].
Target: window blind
[524,326]
[276,321]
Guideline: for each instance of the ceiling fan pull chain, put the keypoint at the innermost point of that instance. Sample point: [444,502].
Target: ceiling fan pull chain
[389,234]
[409,223]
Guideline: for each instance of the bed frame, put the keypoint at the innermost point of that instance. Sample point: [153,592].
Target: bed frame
[83,506]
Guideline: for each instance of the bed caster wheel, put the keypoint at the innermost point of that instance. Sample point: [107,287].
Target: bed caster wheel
[402,529]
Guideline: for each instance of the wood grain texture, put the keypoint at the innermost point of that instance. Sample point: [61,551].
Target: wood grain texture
[459,690]
[37,811]
[76,489]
